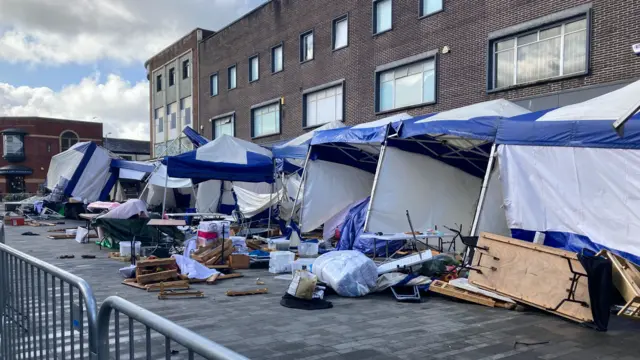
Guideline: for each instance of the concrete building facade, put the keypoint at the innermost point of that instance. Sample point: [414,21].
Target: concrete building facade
[29,143]
[289,66]
[173,97]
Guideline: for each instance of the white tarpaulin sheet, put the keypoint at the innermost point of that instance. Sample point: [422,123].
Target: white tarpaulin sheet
[128,209]
[586,191]
[329,188]
[158,178]
[94,177]
[251,203]
[208,196]
[64,166]
[434,193]
[492,216]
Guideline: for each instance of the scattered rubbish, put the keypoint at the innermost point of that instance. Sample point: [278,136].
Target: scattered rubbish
[287,277]
[66,256]
[405,262]
[293,302]
[447,289]
[550,279]
[166,294]
[350,273]
[173,285]
[280,261]
[29,233]
[303,284]
[259,282]
[80,235]
[247,292]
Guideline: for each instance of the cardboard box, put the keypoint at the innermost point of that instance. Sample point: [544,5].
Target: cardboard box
[239,261]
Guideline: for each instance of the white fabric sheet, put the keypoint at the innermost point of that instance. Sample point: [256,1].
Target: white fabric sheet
[228,149]
[208,196]
[499,107]
[251,203]
[434,193]
[128,209]
[587,191]
[158,178]
[63,165]
[94,176]
[304,138]
[492,216]
[336,221]
[131,174]
[610,106]
[329,188]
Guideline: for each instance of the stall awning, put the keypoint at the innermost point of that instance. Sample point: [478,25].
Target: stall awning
[15,170]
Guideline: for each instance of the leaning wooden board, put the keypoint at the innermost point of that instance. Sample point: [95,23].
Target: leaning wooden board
[533,274]
[626,278]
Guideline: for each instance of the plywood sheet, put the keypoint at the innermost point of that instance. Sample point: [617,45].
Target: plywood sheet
[536,275]
[626,278]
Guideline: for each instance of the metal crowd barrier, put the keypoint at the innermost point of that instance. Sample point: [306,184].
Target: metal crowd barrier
[48,313]
[156,337]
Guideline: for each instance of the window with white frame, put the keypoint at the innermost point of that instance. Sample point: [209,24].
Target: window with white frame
[159,121]
[223,126]
[407,85]
[306,46]
[185,110]
[381,16]
[231,77]
[277,59]
[265,120]
[323,106]
[172,115]
[549,52]
[428,7]
[254,68]
[213,84]
[340,32]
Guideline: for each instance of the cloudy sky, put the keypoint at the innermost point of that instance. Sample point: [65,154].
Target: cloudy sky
[83,59]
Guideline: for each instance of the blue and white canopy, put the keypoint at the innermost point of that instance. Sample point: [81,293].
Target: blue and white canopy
[586,124]
[225,158]
[460,137]
[298,147]
[196,139]
[357,146]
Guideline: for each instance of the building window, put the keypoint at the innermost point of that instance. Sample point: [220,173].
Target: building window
[127,157]
[546,53]
[186,69]
[185,110]
[277,59]
[265,120]
[13,144]
[172,116]
[428,7]
[381,16]
[340,32]
[223,126]
[172,77]
[407,85]
[323,106]
[213,84]
[254,68]
[67,140]
[157,115]
[306,46]
[159,82]
[231,72]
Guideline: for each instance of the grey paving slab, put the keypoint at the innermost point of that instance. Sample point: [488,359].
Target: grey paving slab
[373,327]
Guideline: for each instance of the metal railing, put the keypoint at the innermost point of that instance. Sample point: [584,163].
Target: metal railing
[46,312]
[163,339]
[49,313]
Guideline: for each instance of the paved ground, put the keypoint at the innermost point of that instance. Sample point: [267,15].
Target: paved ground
[373,327]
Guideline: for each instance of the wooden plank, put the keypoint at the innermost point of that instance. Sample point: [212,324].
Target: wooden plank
[223,277]
[626,278]
[178,294]
[212,279]
[156,262]
[133,283]
[227,251]
[65,236]
[205,256]
[247,292]
[536,275]
[177,285]
[443,288]
[225,266]
[157,277]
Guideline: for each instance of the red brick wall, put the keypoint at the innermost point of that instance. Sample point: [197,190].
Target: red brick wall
[464,26]
[43,133]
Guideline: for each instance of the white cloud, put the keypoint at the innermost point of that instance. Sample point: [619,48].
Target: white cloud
[120,105]
[54,32]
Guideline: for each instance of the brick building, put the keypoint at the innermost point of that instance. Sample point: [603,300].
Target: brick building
[173,97]
[28,143]
[288,66]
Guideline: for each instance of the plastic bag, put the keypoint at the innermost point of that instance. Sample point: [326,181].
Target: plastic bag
[437,265]
[350,273]
[303,285]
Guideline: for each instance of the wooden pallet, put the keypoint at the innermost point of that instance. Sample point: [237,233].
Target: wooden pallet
[626,278]
[446,289]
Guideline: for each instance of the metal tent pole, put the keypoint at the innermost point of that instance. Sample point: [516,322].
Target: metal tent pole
[148,178]
[483,191]
[302,180]
[375,184]
[166,183]
[271,197]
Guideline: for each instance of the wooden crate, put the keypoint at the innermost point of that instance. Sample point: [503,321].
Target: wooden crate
[537,275]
